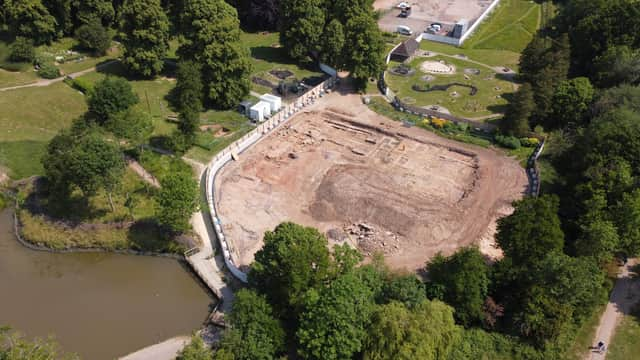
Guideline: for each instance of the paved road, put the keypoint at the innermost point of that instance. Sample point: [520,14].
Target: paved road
[625,294]
[47,82]
[166,350]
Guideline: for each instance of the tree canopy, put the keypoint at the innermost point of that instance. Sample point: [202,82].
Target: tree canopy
[255,333]
[464,278]
[144,32]
[109,97]
[177,201]
[211,30]
[427,332]
[292,260]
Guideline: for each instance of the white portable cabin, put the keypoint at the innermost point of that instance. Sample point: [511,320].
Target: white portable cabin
[274,101]
[260,111]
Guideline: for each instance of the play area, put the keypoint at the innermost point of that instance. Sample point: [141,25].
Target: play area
[453,85]
[368,181]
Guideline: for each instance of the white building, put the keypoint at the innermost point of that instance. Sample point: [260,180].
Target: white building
[274,101]
[260,111]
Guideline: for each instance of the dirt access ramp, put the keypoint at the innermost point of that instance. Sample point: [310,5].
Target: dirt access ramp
[368,181]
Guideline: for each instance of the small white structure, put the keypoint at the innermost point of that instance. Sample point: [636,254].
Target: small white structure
[260,111]
[274,101]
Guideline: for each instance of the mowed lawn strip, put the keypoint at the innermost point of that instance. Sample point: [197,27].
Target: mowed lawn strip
[29,118]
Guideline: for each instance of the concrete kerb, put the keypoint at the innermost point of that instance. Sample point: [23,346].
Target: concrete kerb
[241,145]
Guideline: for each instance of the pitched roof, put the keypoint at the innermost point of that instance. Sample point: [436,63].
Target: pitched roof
[407,48]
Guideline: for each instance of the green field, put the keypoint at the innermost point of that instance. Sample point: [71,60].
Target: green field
[500,39]
[29,118]
[488,100]
[509,27]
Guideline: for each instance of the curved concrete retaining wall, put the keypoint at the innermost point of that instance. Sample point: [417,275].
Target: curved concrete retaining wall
[223,157]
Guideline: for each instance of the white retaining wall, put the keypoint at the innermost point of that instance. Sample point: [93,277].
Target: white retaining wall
[243,144]
[479,21]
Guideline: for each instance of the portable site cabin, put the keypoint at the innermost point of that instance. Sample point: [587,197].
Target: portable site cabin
[245,107]
[274,101]
[260,111]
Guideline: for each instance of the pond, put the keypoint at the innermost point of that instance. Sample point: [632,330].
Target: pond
[97,305]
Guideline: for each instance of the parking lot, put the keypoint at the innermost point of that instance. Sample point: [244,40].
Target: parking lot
[425,12]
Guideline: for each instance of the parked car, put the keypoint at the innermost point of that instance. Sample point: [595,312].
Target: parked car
[404,30]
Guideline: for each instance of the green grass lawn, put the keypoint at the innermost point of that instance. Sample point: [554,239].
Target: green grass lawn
[151,93]
[626,340]
[487,101]
[228,127]
[510,27]
[500,39]
[162,165]
[29,118]
[267,55]
[79,60]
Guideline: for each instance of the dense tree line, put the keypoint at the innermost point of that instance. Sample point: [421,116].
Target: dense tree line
[322,29]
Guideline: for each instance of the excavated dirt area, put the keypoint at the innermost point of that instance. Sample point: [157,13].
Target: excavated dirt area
[369,181]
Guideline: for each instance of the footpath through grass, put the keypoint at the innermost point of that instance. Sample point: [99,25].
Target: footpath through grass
[626,341]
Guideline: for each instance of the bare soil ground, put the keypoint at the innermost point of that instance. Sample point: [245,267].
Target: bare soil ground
[367,180]
[425,12]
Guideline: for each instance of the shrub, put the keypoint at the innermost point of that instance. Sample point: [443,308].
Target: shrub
[22,50]
[439,123]
[81,85]
[463,126]
[509,142]
[94,37]
[529,142]
[48,71]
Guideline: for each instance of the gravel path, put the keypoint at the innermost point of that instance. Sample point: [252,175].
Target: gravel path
[47,82]
[166,350]
[625,294]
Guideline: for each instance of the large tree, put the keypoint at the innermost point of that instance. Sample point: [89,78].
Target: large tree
[85,161]
[464,280]
[519,110]
[427,332]
[144,32]
[618,65]
[187,95]
[211,30]
[292,260]
[89,11]
[333,325]
[406,289]
[364,57]
[30,19]
[177,201]
[301,26]
[532,231]
[627,217]
[94,37]
[571,101]
[252,323]
[109,97]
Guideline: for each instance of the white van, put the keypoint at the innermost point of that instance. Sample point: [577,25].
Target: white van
[404,30]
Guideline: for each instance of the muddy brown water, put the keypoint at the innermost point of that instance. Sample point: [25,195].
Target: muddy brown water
[97,305]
